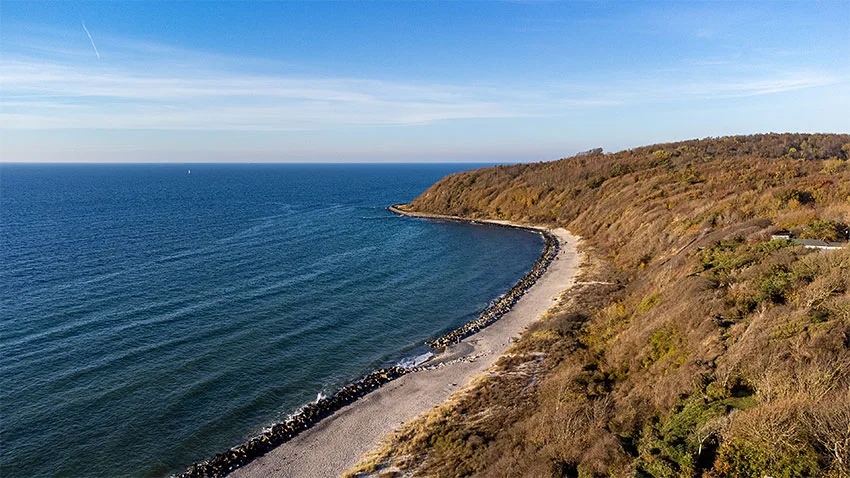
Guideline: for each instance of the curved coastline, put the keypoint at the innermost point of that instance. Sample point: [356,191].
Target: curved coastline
[312,414]
[503,304]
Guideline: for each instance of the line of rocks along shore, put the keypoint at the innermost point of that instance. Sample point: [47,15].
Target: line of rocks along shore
[310,414]
[503,304]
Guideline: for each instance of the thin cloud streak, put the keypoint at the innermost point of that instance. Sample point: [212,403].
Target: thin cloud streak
[91,40]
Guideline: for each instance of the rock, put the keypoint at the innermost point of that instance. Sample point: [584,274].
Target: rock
[312,413]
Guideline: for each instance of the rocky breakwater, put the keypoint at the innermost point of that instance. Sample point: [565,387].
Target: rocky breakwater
[503,304]
[307,416]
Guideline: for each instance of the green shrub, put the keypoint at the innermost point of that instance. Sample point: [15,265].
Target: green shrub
[684,443]
[726,256]
[662,343]
[661,155]
[775,284]
[802,197]
[649,302]
[741,459]
[594,183]
[622,392]
[825,230]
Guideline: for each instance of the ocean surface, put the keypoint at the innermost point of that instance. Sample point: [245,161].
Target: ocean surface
[152,318]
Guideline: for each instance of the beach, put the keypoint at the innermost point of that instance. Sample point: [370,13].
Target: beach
[336,443]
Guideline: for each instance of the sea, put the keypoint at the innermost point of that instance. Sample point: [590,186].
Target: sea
[153,315]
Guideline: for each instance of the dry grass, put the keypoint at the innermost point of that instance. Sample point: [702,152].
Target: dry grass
[719,353]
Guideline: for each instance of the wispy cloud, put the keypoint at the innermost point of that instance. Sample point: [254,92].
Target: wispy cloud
[115,98]
[91,40]
[722,88]
[180,93]
[763,86]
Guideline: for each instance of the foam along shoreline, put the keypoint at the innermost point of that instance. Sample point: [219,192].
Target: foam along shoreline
[326,437]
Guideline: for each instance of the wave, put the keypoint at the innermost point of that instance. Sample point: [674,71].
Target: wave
[415,361]
[304,418]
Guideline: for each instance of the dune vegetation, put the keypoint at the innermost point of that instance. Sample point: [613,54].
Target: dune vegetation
[693,345]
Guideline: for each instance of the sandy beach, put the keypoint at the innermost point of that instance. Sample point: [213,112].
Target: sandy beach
[336,443]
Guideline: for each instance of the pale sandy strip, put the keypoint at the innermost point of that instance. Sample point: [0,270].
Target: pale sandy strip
[335,444]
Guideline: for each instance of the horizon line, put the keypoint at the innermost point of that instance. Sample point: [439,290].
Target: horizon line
[243,163]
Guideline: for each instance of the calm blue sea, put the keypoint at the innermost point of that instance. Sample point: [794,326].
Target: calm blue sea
[152,318]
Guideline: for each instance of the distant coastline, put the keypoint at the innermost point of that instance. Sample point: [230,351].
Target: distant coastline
[311,414]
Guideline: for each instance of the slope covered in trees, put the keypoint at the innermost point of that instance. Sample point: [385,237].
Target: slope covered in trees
[694,346]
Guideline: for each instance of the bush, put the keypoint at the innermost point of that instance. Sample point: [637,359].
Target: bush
[741,459]
[649,302]
[825,230]
[774,284]
[735,371]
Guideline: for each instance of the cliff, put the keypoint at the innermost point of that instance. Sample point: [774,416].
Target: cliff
[694,344]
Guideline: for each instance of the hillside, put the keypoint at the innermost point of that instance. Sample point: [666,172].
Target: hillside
[694,344]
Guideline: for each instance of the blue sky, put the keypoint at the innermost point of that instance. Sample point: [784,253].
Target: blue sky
[410,81]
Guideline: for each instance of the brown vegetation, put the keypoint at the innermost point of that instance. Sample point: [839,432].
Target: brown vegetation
[718,352]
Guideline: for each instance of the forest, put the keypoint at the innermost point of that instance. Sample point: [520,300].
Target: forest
[694,344]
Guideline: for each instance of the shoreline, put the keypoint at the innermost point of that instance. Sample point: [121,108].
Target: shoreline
[252,457]
[503,304]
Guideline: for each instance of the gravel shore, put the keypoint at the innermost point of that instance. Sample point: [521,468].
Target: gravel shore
[336,443]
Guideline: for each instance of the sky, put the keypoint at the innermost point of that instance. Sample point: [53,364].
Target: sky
[508,81]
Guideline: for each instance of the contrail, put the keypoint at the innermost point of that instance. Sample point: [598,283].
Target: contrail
[91,40]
